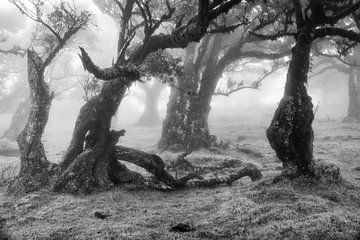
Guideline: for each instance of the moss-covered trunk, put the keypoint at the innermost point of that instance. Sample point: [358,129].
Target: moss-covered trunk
[187,117]
[174,122]
[35,170]
[84,167]
[290,133]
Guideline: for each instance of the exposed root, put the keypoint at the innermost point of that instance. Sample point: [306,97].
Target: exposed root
[155,165]
[324,172]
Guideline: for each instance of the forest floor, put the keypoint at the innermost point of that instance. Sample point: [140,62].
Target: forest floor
[299,209]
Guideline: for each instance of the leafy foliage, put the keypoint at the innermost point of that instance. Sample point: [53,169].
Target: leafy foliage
[91,86]
[162,65]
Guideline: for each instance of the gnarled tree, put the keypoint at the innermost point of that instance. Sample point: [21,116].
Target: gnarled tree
[59,26]
[290,133]
[91,159]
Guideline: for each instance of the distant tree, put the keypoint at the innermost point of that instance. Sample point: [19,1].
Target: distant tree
[344,58]
[185,127]
[150,115]
[58,27]
[162,68]
[347,65]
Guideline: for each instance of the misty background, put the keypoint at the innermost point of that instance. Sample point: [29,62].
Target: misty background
[328,90]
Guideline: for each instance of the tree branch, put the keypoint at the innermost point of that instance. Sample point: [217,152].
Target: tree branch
[108,73]
[194,30]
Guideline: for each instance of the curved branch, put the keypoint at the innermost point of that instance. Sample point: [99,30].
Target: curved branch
[347,12]
[334,31]
[107,73]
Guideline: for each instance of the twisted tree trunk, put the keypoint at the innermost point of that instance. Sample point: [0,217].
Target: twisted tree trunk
[84,167]
[290,133]
[35,170]
[18,120]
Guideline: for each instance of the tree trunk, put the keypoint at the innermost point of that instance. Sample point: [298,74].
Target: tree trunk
[35,170]
[186,124]
[290,133]
[189,128]
[18,120]
[174,127]
[173,124]
[353,114]
[84,167]
[150,115]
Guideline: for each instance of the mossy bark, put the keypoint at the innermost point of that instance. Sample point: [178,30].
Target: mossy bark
[35,170]
[84,167]
[290,133]
[186,124]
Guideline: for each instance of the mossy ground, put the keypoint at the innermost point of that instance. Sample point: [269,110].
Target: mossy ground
[299,209]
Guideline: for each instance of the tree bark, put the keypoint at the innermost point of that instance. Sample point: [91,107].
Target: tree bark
[186,124]
[84,166]
[35,170]
[18,120]
[155,165]
[353,114]
[173,124]
[290,133]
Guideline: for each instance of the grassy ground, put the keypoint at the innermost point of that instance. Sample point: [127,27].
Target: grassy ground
[300,209]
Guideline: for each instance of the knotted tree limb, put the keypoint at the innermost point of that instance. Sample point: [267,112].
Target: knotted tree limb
[250,170]
[155,165]
[107,73]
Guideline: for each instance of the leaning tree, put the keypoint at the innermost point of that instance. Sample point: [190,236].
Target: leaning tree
[91,161]
[185,127]
[58,26]
[290,133]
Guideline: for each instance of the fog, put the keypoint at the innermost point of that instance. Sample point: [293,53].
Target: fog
[145,134]
[328,90]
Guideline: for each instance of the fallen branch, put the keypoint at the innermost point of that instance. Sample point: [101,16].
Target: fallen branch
[250,170]
[155,165]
